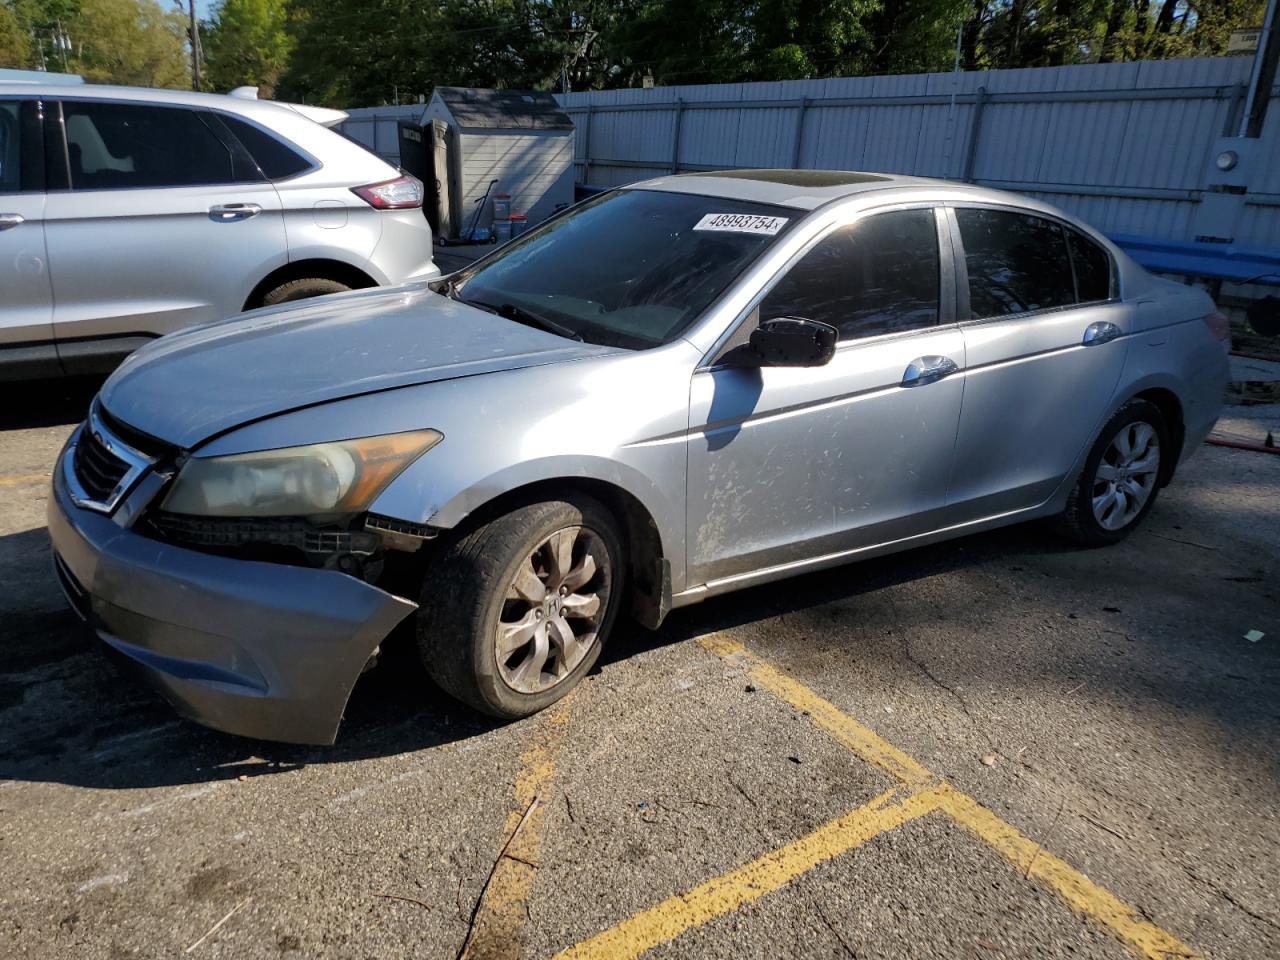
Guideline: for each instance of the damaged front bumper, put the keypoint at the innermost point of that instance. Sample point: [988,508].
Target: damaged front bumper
[252,648]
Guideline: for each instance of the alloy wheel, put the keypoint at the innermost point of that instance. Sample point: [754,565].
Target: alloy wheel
[552,610]
[1126,475]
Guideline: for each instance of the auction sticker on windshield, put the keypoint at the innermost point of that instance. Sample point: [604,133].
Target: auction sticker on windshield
[741,223]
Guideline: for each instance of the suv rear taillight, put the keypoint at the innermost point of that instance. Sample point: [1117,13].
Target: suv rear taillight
[1219,326]
[398,194]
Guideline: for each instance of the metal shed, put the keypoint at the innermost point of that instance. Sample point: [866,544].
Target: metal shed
[521,139]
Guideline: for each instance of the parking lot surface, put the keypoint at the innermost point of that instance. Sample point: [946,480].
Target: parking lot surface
[1001,746]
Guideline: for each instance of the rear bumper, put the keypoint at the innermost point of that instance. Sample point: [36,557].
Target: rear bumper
[256,649]
[404,250]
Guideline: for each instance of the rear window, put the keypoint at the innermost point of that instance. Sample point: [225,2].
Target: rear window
[122,145]
[275,159]
[1092,266]
[1017,262]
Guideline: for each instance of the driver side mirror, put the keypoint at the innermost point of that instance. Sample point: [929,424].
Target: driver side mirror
[793,342]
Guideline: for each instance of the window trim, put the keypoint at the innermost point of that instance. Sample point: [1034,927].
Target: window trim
[313,164]
[962,268]
[738,331]
[58,130]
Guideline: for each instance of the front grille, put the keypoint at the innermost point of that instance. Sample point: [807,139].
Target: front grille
[97,468]
[101,468]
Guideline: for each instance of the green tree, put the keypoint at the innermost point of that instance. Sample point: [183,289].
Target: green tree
[247,42]
[15,41]
[133,42]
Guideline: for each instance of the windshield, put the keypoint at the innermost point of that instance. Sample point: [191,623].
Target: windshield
[631,269]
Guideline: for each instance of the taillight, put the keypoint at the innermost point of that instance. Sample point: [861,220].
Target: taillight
[398,194]
[1219,326]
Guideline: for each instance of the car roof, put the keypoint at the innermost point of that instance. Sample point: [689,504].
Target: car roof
[246,106]
[810,189]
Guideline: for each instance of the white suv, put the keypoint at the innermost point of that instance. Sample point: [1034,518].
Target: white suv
[128,213]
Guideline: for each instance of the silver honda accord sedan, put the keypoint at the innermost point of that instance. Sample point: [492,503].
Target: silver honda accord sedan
[680,388]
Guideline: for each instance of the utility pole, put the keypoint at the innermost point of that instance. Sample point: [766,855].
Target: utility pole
[195,45]
[1263,76]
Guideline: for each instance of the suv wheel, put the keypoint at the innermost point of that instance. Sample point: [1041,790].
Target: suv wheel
[1121,477]
[302,289]
[515,612]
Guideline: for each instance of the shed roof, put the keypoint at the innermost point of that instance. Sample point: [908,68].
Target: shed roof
[503,109]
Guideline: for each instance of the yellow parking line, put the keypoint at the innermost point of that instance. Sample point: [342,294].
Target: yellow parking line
[21,480]
[498,926]
[1079,892]
[727,893]
[1082,894]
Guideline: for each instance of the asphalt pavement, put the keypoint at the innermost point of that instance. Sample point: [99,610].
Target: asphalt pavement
[1001,746]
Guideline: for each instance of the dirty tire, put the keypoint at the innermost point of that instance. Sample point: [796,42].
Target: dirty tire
[466,591]
[1078,522]
[302,289]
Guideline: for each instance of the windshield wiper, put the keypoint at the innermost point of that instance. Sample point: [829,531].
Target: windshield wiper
[527,317]
[447,288]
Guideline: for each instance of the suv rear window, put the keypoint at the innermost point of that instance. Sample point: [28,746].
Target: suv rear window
[114,146]
[275,159]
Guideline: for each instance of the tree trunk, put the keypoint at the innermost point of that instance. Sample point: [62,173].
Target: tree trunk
[1013,51]
[1141,27]
[969,36]
[1164,20]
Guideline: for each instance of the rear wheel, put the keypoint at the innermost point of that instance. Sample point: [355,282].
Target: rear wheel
[302,289]
[515,613]
[1121,477]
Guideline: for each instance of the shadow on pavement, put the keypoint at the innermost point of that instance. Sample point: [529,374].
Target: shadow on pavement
[46,403]
[67,715]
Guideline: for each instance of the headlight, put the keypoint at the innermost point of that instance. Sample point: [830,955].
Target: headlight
[315,480]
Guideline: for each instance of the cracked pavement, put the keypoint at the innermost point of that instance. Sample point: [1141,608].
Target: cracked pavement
[1104,703]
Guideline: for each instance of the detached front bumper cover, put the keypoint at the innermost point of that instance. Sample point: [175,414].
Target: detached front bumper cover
[257,649]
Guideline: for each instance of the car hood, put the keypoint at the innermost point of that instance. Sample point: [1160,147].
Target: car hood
[190,386]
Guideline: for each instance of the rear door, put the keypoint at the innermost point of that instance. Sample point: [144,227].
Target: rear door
[26,300]
[161,221]
[1044,338]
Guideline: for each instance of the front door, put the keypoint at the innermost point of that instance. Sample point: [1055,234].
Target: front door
[791,464]
[26,302]
[165,224]
[1045,344]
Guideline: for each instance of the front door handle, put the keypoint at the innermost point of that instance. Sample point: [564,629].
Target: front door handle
[10,220]
[232,212]
[924,370]
[1101,331]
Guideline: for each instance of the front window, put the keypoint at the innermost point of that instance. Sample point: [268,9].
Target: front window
[633,269]
[877,276]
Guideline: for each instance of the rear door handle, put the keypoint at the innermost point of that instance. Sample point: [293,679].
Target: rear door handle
[931,369]
[231,212]
[10,220]
[1099,332]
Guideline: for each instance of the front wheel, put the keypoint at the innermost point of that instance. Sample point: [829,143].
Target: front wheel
[1121,477]
[515,612]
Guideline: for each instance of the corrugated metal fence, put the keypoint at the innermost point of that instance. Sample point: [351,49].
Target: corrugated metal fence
[1124,146]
